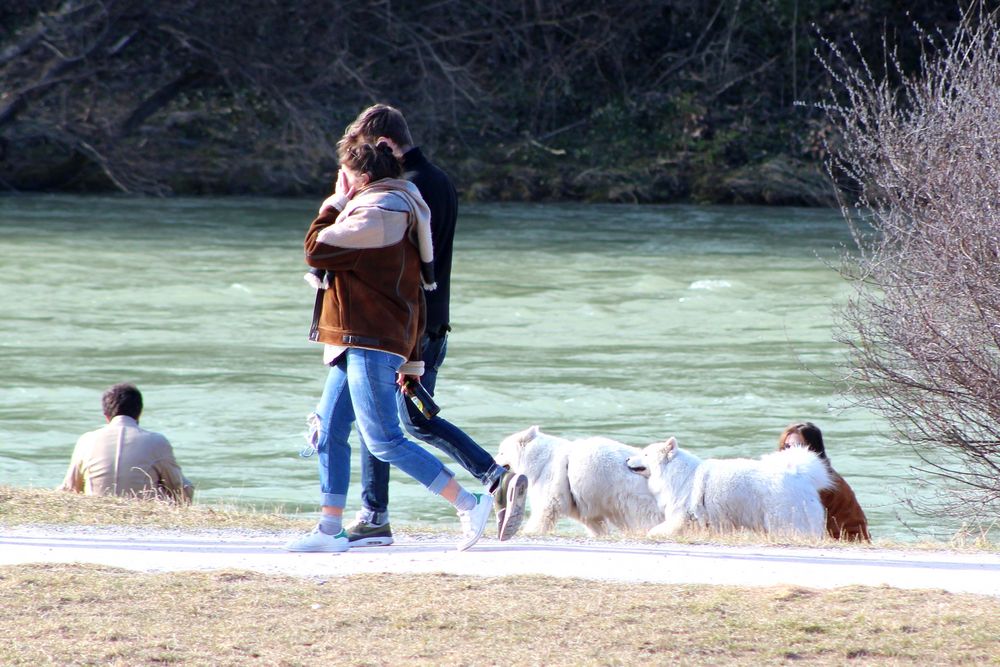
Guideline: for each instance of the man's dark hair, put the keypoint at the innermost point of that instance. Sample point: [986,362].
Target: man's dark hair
[380,120]
[122,399]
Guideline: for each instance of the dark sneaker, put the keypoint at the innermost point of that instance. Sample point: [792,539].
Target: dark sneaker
[508,498]
[364,534]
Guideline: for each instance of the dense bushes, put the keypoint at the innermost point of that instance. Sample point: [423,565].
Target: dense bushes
[640,100]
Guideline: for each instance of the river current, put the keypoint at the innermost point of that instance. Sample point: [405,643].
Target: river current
[712,324]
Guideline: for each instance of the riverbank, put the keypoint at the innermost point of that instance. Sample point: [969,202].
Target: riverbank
[682,178]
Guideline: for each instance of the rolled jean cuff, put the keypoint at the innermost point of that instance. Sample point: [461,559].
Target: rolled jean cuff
[493,476]
[333,500]
[373,517]
[440,481]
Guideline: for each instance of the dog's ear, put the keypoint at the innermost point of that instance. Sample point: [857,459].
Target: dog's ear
[664,450]
[527,436]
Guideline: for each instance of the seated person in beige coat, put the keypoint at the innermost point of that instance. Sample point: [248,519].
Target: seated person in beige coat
[121,459]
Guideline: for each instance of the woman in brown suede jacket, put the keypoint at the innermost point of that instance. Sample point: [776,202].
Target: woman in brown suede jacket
[845,520]
[372,239]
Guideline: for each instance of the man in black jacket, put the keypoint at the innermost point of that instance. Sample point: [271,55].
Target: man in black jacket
[384,124]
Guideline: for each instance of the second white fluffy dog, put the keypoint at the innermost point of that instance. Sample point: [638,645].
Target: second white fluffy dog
[776,494]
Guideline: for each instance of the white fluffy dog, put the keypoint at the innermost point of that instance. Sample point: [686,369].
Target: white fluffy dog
[586,480]
[778,494]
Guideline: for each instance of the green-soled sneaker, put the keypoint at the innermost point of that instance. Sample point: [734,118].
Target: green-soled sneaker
[318,541]
[360,533]
[474,520]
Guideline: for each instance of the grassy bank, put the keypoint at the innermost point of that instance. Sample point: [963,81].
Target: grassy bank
[33,506]
[20,506]
[83,614]
[61,614]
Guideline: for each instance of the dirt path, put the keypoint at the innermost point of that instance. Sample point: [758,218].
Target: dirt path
[609,561]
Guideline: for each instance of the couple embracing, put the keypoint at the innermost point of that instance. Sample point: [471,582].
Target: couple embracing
[380,251]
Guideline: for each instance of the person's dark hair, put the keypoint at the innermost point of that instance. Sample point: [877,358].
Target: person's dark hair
[810,433]
[122,399]
[380,120]
[376,161]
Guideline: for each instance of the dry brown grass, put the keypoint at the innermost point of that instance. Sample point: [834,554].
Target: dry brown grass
[20,506]
[81,614]
[59,614]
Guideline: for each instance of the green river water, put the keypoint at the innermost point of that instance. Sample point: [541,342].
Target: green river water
[633,322]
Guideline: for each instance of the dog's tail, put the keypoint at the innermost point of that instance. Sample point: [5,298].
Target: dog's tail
[697,511]
[802,461]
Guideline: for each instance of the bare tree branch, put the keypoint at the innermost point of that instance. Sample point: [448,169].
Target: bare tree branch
[921,153]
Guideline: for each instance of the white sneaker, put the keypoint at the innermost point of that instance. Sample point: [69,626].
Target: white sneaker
[474,520]
[319,541]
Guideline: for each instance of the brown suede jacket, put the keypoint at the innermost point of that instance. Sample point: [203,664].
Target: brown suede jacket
[845,520]
[375,299]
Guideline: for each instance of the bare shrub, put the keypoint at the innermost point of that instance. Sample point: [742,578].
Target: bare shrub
[918,162]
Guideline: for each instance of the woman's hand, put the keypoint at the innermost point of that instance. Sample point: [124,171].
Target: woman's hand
[344,186]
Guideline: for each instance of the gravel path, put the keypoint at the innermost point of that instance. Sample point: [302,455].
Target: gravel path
[159,551]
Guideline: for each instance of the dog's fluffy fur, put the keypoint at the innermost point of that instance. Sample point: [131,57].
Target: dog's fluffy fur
[777,494]
[586,480]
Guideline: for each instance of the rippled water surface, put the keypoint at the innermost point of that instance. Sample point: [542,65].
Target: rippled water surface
[632,322]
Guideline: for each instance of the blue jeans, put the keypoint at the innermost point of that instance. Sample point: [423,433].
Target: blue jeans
[436,431]
[361,386]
